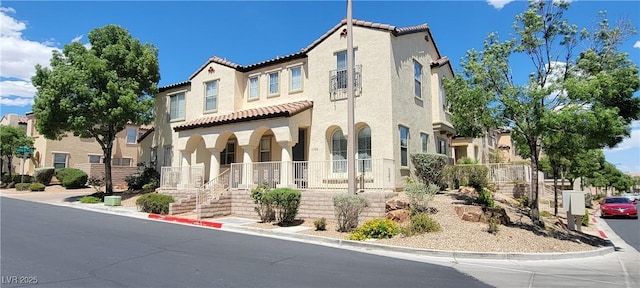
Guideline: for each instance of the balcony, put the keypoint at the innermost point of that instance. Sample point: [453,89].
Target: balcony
[338,83]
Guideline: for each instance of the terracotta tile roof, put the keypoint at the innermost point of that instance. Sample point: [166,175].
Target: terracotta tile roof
[440,62]
[281,110]
[175,85]
[22,119]
[147,133]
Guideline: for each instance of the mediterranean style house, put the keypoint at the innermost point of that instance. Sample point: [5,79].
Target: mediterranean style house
[81,153]
[284,120]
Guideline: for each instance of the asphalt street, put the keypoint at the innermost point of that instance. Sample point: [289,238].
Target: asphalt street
[628,229]
[66,247]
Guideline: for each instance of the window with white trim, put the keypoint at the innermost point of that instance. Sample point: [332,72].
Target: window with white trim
[265,149]
[132,133]
[211,95]
[254,87]
[404,146]
[95,159]
[121,161]
[341,67]
[339,152]
[228,155]
[176,106]
[364,149]
[274,83]
[417,76]
[425,142]
[168,154]
[60,160]
[296,79]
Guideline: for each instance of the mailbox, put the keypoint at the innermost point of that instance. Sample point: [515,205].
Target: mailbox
[573,202]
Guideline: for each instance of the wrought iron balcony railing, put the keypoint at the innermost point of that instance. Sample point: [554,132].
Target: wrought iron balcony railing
[338,83]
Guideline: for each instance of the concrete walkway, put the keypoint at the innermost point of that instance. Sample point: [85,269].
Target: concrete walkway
[614,266]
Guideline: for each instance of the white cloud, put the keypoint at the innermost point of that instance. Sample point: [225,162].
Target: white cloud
[18,60]
[498,4]
[637,45]
[16,101]
[633,142]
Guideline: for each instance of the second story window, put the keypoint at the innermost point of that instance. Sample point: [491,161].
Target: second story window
[404,146]
[132,134]
[296,79]
[211,95]
[253,88]
[176,107]
[417,76]
[274,83]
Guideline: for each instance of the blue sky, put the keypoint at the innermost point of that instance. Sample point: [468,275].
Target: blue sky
[188,33]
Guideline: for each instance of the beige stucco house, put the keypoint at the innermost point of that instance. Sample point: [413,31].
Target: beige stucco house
[13,120]
[284,120]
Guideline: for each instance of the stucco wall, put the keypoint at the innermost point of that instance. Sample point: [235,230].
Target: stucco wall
[118,173]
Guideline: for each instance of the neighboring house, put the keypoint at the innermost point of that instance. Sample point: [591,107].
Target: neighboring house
[284,120]
[13,120]
[86,153]
[478,149]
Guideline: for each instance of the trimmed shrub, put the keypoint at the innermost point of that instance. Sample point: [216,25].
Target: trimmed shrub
[44,175]
[429,167]
[61,173]
[146,174]
[149,187]
[5,178]
[421,223]
[90,199]
[376,228]
[264,202]
[22,178]
[154,203]
[320,224]
[74,178]
[420,195]
[36,186]
[467,175]
[22,186]
[286,202]
[347,209]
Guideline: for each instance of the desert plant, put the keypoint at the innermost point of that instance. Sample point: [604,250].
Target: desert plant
[95,182]
[347,209]
[22,186]
[35,186]
[545,214]
[466,161]
[320,224]
[421,223]
[429,167]
[90,199]
[147,173]
[44,175]
[74,178]
[154,203]
[420,195]
[494,225]
[376,228]
[524,202]
[484,198]
[286,202]
[149,187]
[264,202]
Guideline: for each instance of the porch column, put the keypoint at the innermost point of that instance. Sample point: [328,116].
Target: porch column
[286,165]
[185,169]
[247,165]
[214,164]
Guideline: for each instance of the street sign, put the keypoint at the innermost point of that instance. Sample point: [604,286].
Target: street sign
[24,150]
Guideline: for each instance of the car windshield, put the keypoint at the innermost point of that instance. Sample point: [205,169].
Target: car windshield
[617,200]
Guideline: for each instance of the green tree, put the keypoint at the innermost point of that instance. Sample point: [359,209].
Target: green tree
[10,139]
[584,164]
[94,92]
[587,88]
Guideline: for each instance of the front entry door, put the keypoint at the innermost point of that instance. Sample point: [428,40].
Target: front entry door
[300,168]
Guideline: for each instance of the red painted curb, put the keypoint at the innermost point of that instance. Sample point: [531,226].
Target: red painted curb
[602,234]
[594,219]
[186,221]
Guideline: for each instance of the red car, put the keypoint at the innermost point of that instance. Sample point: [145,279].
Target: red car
[618,206]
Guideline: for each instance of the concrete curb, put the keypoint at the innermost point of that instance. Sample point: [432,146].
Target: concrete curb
[196,222]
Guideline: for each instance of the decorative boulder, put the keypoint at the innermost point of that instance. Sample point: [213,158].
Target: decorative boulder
[400,215]
[481,214]
[469,191]
[398,202]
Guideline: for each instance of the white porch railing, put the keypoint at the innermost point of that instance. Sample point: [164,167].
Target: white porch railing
[181,177]
[372,174]
[504,172]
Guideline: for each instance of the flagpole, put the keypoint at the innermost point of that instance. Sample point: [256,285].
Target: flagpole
[351,153]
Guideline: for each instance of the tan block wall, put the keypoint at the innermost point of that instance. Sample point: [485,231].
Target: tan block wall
[313,205]
[220,207]
[118,173]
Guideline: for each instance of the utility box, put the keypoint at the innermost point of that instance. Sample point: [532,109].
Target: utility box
[573,202]
[112,200]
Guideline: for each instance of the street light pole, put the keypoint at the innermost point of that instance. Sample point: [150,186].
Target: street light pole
[351,153]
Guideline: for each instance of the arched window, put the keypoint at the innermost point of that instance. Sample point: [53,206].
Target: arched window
[339,152]
[364,149]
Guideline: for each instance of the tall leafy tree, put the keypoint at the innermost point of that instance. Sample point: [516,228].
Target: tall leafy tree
[94,92]
[10,139]
[586,87]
